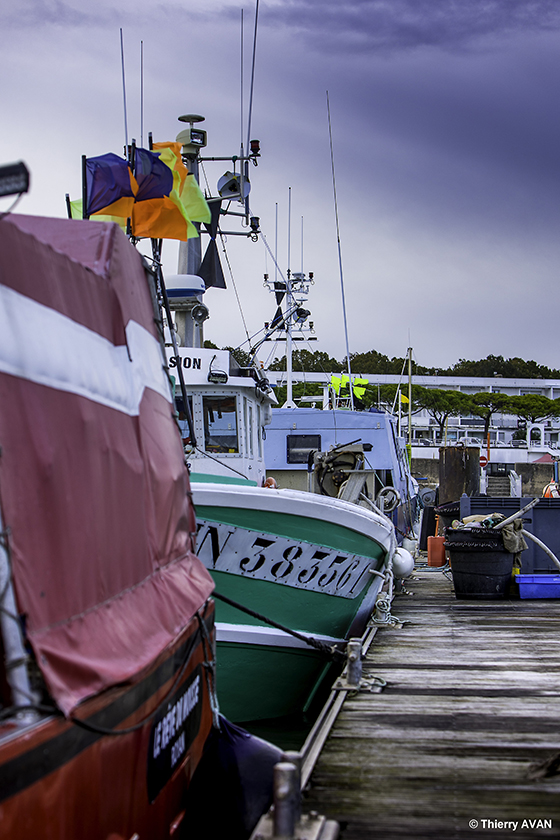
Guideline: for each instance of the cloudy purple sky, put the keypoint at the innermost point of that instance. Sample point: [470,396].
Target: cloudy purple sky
[446,129]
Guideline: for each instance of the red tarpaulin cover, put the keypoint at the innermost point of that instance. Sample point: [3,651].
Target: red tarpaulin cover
[93,487]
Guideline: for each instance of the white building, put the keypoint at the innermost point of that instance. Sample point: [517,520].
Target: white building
[425,430]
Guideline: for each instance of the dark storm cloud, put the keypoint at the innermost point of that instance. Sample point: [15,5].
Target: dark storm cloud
[497,112]
[364,25]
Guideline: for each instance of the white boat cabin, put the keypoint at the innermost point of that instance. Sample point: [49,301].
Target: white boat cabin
[230,407]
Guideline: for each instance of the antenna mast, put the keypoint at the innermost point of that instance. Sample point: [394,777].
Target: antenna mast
[289,301]
[124,98]
[141,94]
[252,77]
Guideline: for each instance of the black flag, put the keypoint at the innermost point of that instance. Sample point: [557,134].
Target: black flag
[210,269]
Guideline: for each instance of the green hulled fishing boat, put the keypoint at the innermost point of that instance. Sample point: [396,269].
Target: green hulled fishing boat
[297,574]
[310,564]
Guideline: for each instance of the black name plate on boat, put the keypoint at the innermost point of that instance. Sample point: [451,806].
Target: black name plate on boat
[174,729]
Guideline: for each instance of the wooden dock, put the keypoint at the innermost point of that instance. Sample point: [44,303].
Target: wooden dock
[472,703]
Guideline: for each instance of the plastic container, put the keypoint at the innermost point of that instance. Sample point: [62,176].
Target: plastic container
[480,565]
[436,551]
[542,521]
[448,512]
[538,586]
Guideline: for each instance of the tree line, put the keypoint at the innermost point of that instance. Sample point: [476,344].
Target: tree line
[374,362]
[440,404]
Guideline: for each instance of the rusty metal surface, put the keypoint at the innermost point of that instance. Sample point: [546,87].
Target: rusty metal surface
[459,472]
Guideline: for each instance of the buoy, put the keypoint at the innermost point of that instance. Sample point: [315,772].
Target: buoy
[403,563]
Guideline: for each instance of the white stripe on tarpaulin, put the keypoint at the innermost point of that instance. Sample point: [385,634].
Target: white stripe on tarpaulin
[42,345]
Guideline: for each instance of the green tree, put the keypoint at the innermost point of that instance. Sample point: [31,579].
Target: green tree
[240,356]
[514,368]
[371,362]
[305,360]
[533,408]
[299,390]
[385,395]
[441,405]
[487,403]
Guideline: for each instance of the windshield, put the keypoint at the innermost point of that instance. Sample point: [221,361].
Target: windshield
[220,424]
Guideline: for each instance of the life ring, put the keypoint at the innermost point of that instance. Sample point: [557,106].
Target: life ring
[551,491]
[388,499]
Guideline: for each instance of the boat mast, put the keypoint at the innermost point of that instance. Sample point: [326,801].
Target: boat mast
[190,252]
[340,261]
[289,372]
[410,396]
[409,446]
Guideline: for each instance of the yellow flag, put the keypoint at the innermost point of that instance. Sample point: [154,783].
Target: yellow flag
[76,210]
[359,387]
[184,183]
[335,382]
[194,202]
[404,399]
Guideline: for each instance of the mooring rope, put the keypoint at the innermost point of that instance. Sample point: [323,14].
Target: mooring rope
[330,650]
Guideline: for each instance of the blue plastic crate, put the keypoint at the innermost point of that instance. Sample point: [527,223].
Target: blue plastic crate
[538,586]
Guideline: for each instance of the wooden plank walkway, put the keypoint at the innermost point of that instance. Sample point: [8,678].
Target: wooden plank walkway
[472,702]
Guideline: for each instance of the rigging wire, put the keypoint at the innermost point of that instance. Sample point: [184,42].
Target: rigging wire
[223,240]
[233,283]
[273,257]
[339,254]
[273,351]
[222,463]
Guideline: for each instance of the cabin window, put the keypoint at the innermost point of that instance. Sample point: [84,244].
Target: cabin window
[220,424]
[298,447]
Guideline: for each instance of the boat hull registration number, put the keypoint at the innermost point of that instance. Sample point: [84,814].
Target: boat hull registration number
[268,557]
